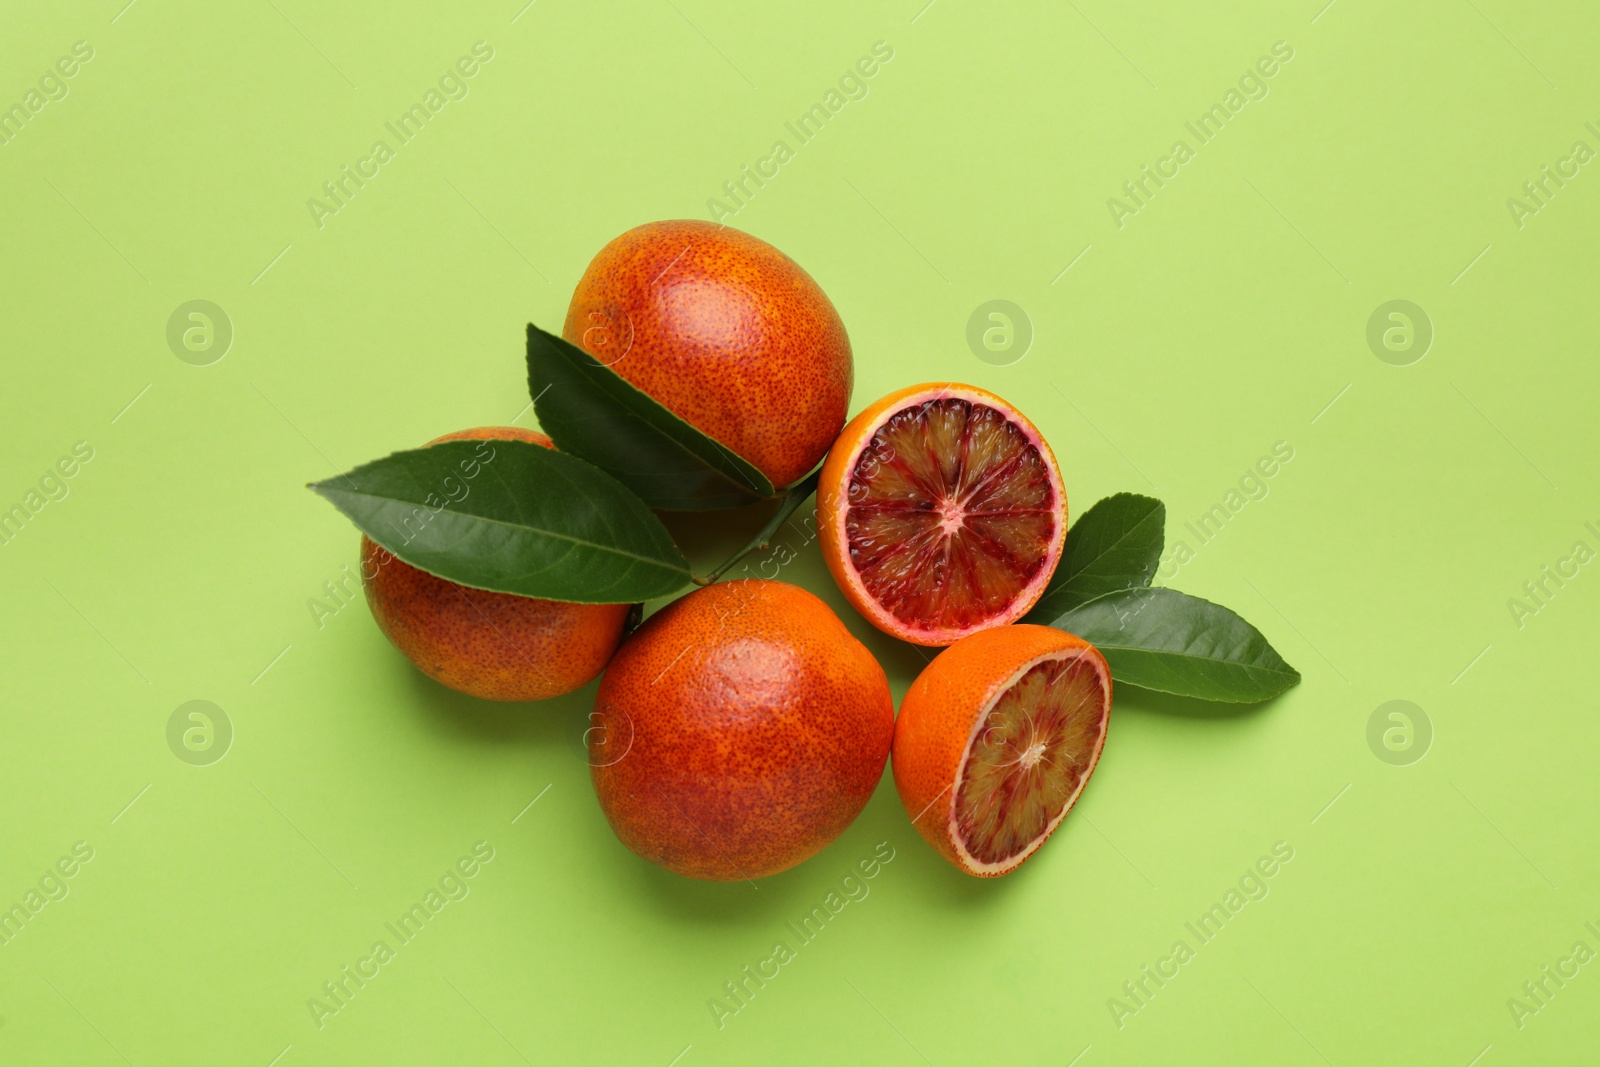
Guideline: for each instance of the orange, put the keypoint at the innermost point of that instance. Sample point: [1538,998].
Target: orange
[941,512]
[725,331]
[497,646]
[739,731]
[996,739]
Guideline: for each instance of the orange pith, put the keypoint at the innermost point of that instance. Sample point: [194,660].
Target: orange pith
[996,739]
[942,513]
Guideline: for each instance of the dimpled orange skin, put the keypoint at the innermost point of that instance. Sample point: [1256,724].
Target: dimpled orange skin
[727,332]
[940,709]
[747,729]
[497,646]
[833,494]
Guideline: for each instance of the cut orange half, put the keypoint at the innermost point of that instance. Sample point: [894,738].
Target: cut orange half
[996,740]
[941,513]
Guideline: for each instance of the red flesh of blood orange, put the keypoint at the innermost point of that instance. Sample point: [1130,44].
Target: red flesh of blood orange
[942,513]
[995,741]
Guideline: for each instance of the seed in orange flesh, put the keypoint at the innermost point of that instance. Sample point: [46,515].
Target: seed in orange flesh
[941,512]
[725,331]
[497,646]
[995,741]
[739,731]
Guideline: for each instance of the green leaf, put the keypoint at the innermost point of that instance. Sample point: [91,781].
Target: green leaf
[592,412]
[1166,640]
[513,517]
[1114,545]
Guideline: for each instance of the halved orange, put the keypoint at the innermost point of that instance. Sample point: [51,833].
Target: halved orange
[941,512]
[995,741]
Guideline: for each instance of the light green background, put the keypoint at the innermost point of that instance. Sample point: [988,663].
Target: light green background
[1227,315]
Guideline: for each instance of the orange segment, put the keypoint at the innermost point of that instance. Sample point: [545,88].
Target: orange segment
[995,741]
[941,513]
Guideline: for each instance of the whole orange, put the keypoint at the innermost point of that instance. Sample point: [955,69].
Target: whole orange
[497,646]
[725,331]
[995,741]
[739,731]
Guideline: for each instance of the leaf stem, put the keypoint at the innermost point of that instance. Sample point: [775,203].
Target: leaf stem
[796,495]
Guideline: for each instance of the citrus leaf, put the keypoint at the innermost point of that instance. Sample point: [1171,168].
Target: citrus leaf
[1114,545]
[513,517]
[1166,640]
[592,412]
